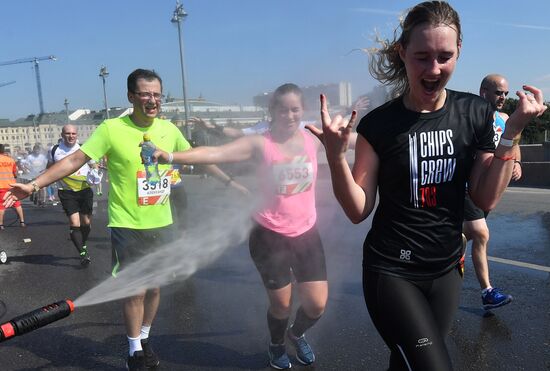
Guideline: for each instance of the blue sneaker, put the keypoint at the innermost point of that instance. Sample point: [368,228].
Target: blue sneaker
[494,298]
[304,353]
[278,358]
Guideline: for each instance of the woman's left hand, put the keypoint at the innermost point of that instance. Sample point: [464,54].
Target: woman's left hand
[335,133]
[529,107]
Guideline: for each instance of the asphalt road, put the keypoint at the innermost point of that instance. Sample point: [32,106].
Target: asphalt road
[215,320]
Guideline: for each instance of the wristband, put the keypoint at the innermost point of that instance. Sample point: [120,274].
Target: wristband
[35,187]
[505,142]
[504,158]
[170,157]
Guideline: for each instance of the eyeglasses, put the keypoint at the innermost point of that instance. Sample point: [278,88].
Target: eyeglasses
[500,92]
[148,95]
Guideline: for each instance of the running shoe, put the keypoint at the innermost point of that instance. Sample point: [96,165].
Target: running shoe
[278,359]
[151,359]
[493,298]
[136,362]
[85,258]
[304,353]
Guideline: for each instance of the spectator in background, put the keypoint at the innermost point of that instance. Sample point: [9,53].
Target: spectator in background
[36,163]
[8,174]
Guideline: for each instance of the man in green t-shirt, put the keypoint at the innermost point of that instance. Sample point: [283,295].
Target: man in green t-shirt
[139,218]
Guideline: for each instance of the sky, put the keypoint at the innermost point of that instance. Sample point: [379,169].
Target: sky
[235,49]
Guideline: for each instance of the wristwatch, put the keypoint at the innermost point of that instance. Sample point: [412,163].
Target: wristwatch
[35,187]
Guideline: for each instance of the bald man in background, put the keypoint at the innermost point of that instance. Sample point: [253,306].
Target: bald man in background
[74,192]
[494,89]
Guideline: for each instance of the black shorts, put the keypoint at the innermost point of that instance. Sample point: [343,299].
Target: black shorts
[77,201]
[275,255]
[471,211]
[129,245]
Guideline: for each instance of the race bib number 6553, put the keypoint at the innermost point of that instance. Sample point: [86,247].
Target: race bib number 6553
[294,177]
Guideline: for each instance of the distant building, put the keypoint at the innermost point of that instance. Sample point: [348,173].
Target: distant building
[45,130]
[338,95]
[218,113]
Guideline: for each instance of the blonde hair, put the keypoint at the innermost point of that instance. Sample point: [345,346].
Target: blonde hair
[386,65]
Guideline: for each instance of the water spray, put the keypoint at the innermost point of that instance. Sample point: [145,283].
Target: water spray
[34,320]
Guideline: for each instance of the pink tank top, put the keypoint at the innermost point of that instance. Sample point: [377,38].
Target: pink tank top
[287,186]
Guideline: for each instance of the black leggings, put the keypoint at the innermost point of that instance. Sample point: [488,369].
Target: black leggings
[413,317]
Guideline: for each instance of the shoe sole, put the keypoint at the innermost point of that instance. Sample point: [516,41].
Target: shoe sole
[85,262]
[277,367]
[303,362]
[502,303]
[152,366]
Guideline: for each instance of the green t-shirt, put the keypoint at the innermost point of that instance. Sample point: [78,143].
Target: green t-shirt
[119,139]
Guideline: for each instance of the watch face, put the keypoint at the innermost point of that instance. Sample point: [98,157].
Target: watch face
[3,257]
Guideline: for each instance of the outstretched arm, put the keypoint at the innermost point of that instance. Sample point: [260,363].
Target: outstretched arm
[60,169]
[217,129]
[239,150]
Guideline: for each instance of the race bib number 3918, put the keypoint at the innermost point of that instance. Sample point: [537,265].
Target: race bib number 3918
[153,194]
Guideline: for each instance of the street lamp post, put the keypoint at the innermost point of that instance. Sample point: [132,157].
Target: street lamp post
[66,104]
[103,73]
[178,16]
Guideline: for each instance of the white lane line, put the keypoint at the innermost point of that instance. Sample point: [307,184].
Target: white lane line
[527,190]
[519,264]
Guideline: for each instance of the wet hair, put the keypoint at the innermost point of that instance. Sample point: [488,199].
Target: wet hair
[140,73]
[283,90]
[386,65]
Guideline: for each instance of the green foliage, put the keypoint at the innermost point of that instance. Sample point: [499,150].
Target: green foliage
[534,131]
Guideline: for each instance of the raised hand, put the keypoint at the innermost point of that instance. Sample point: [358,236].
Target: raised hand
[335,133]
[529,106]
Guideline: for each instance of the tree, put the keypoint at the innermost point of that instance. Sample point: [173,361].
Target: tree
[534,132]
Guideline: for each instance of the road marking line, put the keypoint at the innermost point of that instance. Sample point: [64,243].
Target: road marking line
[519,264]
[528,190]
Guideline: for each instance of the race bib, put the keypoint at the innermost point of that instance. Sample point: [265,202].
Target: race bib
[156,194]
[293,177]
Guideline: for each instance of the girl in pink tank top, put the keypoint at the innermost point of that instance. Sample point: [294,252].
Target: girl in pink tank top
[284,244]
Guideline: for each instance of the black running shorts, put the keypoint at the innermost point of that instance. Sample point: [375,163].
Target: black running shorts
[276,255]
[128,245]
[471,211]
[77,201]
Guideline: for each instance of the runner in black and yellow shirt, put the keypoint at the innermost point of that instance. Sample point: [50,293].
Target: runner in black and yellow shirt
[75,194]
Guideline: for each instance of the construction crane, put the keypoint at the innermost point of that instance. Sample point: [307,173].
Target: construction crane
[6,83]
[34,61]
